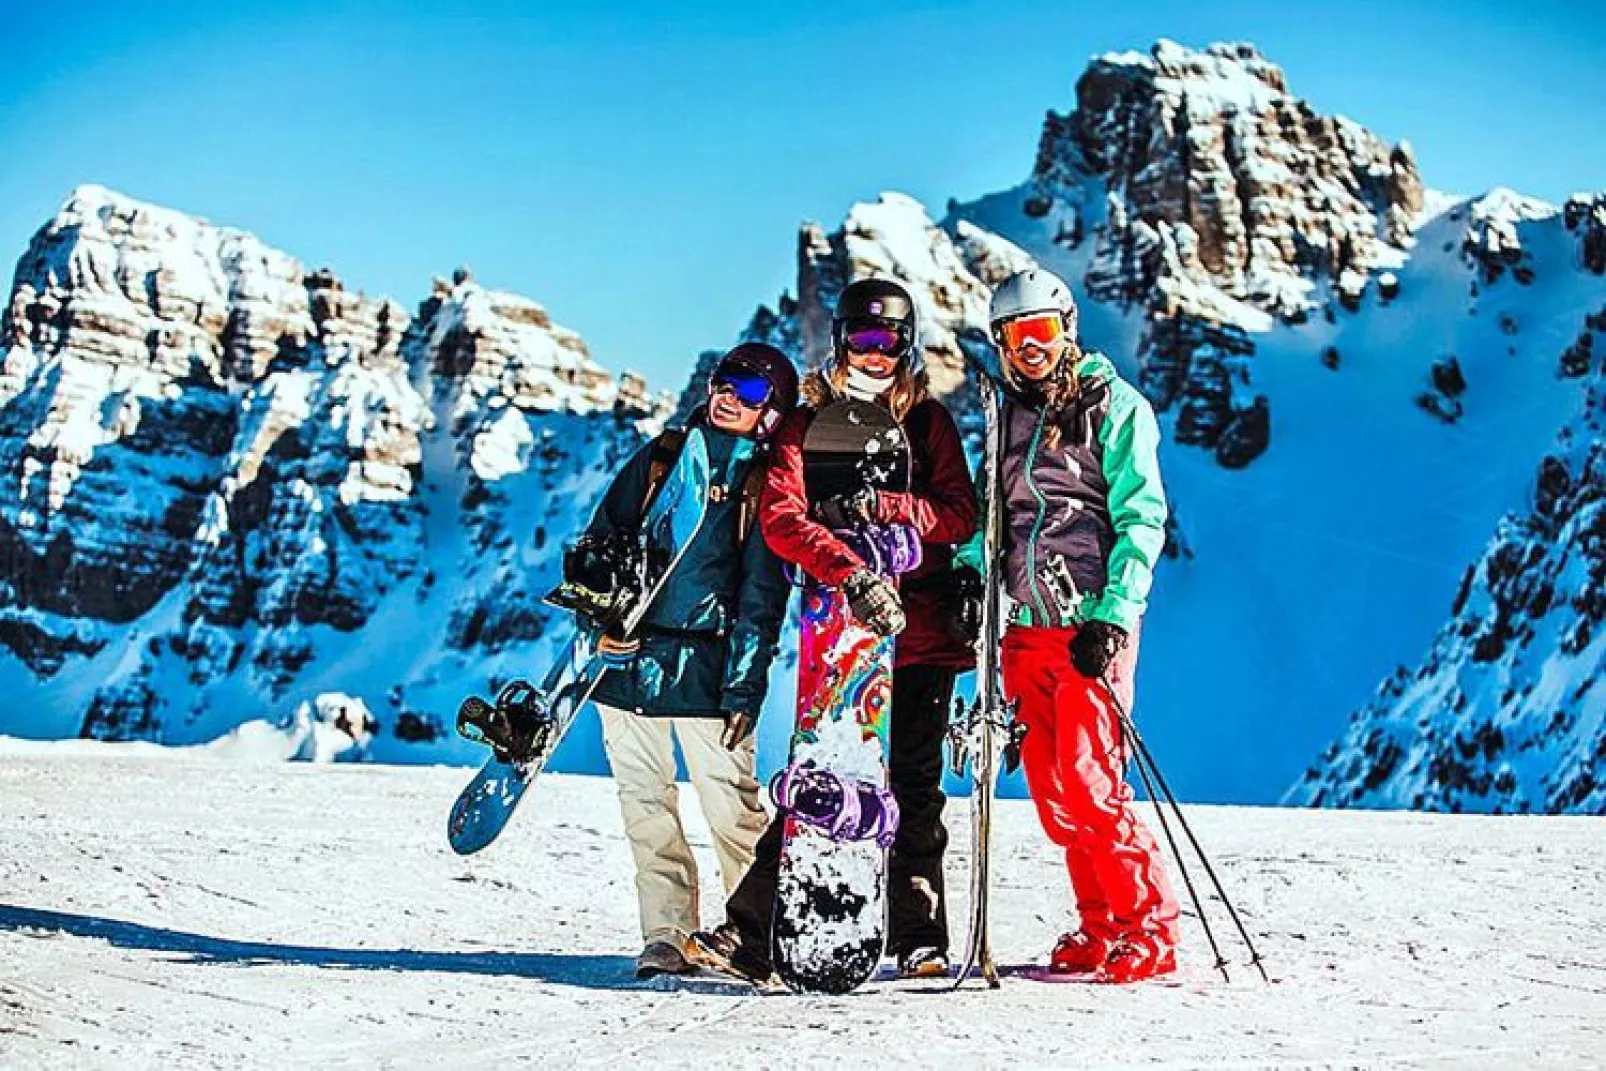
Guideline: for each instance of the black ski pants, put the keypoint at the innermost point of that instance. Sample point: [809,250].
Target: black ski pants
[916,903]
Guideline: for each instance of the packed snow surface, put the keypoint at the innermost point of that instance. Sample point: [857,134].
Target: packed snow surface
[168,909]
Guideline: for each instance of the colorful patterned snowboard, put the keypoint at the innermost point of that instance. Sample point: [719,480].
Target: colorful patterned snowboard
[673,520]
[831,899]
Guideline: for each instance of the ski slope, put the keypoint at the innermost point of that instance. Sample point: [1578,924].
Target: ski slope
[168,908]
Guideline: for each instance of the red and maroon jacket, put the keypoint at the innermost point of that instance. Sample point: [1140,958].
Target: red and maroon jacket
[940,505]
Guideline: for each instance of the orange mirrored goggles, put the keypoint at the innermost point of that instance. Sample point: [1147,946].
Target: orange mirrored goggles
[1044,329]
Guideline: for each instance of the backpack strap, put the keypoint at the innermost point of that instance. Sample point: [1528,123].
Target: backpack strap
[747,507]
[665,452]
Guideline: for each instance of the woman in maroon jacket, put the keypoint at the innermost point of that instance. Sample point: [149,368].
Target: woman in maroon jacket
[874,358]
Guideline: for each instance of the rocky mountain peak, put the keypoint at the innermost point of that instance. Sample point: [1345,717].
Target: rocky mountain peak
[194,421]
[1205,165]
[949,269]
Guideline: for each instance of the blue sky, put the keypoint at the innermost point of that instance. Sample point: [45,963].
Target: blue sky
[642,170]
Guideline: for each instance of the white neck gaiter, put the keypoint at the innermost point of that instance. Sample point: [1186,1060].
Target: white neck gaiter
[865,387]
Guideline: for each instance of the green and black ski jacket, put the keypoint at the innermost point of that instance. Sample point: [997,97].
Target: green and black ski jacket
[1095,501]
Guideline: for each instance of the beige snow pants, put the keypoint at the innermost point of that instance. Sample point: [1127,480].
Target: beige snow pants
[643,760]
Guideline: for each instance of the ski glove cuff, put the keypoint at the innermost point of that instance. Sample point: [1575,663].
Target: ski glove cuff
[874,601]
[1095,646]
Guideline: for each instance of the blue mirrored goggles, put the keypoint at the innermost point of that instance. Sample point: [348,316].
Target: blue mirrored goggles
[750,388]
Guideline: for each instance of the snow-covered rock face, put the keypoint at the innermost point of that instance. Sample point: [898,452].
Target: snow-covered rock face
[1492,242]
[1213,171]
[1189,192]
[154,367]
[218,469]
[1507,713]
[1194,186]
[1585,216]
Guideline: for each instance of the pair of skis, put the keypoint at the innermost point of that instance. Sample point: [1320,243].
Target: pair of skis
[984,731]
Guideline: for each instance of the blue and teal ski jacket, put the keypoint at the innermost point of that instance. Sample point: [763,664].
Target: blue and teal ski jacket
[709,637]
[1095,500]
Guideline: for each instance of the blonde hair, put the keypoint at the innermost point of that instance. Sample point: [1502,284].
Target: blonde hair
[1057,397]
[825,385]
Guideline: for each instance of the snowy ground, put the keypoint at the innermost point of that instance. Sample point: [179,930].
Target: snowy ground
[162,911]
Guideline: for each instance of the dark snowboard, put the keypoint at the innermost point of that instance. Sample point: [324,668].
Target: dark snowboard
[542,714]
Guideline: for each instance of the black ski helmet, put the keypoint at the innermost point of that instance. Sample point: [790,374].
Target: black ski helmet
[765,360]
[879,301]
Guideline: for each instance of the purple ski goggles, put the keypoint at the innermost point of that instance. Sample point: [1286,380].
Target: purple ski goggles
[872,337]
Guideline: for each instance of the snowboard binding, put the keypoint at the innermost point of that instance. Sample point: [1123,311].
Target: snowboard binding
[843,808]
[888,549]
[605,576]
[516,727]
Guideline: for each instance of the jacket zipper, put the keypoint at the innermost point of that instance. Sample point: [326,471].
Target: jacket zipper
[1037,525]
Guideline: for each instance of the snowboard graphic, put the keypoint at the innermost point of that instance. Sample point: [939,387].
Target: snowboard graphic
[840,818]
[538,716]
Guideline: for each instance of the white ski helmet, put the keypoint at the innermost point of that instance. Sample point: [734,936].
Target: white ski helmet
[1032,291]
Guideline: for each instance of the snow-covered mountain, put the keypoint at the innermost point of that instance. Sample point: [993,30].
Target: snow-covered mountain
[230,486]
[1507,712]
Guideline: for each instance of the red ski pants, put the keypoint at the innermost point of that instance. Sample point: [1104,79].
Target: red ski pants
[1074,754]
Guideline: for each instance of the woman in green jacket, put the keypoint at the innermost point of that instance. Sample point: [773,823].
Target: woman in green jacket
[1084,524]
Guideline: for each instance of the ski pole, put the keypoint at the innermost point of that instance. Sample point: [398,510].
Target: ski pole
[1147,756]
[1176,853]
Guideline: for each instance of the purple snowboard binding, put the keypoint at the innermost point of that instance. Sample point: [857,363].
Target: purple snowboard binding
[844,809]
[888,549]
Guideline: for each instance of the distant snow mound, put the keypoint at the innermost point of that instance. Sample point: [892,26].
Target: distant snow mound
[334,727]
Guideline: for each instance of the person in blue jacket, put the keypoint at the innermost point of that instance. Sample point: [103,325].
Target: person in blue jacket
[697,668]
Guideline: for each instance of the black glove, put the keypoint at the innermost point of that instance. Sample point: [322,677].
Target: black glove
[874,601]
[848,511]
[738,727]
[1095,646]
[961,603]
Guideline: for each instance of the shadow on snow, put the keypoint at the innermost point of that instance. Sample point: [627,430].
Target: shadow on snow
[587,971]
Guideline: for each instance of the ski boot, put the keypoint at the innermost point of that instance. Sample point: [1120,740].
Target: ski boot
[844,808]
[515,728]
[1078,953]
[1137,957]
